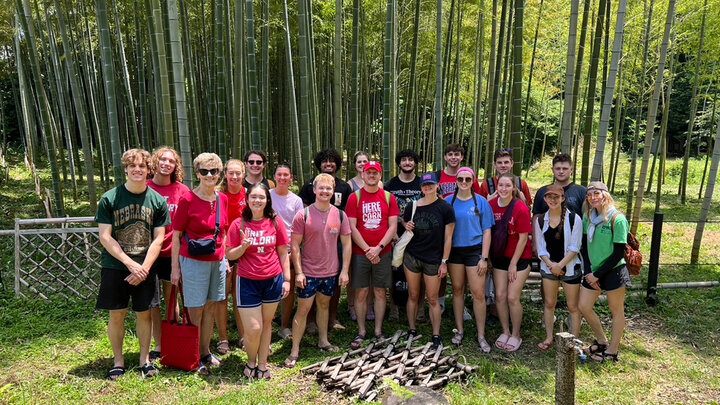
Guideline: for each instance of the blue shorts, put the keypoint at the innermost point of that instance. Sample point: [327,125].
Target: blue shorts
[202,282]
[323,285]
[254,293]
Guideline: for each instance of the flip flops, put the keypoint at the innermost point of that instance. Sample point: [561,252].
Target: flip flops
[291,361]
[544,345]
[358,341]
[513,344]
[148,370]
[115,373]
[329,348]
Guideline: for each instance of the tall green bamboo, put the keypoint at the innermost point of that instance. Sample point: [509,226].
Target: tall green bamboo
[47,120]
[516,133]
[476,133]
[264,92]
[162,74]
[707,202]
[566,126]
[220,80]
[252,80]
[389,135]
[294,126]
[438,111]
[132,124]
[652,115]
[355,106]
[338,140]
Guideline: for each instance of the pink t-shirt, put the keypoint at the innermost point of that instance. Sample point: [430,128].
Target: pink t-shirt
[448,184]
[260,261]
[519,223]
[320,234]
[172,194]
[196,218]
[373,214]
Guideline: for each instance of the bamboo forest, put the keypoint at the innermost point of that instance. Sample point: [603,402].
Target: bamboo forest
[83,80]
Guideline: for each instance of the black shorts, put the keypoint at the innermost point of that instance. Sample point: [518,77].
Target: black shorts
[115,292]
[466,255]
[163,268]
[503,263]
[618,277]
[573,280]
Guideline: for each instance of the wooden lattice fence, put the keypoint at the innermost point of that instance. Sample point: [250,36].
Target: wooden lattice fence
[57,256]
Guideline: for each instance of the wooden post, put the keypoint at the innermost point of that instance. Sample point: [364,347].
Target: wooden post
[565,371]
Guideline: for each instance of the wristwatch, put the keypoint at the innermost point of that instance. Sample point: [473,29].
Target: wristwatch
[443,261]
[483,259]
[382,246]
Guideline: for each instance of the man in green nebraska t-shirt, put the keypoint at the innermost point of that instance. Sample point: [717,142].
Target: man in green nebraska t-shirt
[131,219]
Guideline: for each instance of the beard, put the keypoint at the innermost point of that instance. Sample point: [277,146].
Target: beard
[407,171]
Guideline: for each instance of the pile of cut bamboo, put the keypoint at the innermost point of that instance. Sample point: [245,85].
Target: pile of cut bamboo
[357,372]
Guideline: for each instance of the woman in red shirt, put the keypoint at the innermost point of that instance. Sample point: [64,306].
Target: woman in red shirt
[232,187]
[259,242]
[512,263]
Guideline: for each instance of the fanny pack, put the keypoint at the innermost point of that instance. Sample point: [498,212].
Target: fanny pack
[204,247]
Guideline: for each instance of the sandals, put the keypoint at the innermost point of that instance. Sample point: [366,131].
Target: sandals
[249,372]
[501,341]
[602,357]
[212,360]
[544,345]
[484,346]
[512,344]
[358,341]
[115,373]
[223,347]
[262,374]
[412,332]
[379,337]
[458,338]
[154,355]
[148,370]
[202,370]
[329,348]
[598,347]
[291,361]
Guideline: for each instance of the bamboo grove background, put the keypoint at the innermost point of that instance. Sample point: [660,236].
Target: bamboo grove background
[83,80]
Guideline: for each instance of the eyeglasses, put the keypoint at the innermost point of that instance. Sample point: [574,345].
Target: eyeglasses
[255,162]
[464,179]
[211,172]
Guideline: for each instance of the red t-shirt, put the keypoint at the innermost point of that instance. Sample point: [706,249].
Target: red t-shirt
[196,218]
[519,223]
[236,204]
[373,215]
[485,190]
[172,194]
[448,184]
[260,261]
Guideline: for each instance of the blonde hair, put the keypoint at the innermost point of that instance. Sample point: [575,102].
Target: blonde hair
[207,158]
[178,175]
[608,201]
[324,178]
[224,184]
[131,155]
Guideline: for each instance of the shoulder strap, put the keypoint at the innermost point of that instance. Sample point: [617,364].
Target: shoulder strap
[217,215]
[388,197]
[307,212]
[541,221]
[572,218]
[491,185]
[612,222]
[357,194]
[342,215]
[518,184]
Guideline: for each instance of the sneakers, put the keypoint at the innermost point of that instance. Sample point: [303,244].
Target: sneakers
[436,342]
[466,315]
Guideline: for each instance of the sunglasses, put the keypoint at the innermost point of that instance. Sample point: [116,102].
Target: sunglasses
[212,172]
[464,179]
[255,162]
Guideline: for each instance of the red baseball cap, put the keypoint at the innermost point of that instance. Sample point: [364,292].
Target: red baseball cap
[372,165]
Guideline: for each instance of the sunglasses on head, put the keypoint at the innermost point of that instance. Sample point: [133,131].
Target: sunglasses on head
[205,172]
[464,179]
[255,162]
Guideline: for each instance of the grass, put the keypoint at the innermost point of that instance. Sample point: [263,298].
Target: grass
[58,350]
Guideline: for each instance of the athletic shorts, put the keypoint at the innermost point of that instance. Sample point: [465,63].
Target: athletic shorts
[323,285]
[115,292]
[574,279]
[254,293]
[503,263]
[618,277]
[417,266]
[366,274]
[163,267]
[466,255]
[202,282]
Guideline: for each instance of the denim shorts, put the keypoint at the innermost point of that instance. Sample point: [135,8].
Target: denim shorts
[574,279]
[254,293]
[323,285]
[202,282]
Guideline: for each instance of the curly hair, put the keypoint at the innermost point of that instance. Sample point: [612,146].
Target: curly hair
[407,153]
[207,158]
[178,175]
[131,155]
[328,154]
[268,212]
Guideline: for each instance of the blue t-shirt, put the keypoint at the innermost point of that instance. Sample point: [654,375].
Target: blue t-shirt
[469,225]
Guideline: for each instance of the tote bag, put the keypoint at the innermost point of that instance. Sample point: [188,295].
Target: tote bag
[180,342]
[400,245]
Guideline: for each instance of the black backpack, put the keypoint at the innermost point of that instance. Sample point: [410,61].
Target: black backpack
[500,232]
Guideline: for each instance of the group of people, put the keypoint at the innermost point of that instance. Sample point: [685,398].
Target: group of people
[253,239]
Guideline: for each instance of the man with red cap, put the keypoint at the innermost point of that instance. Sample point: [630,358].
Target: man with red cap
[373,216]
